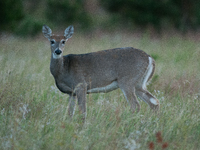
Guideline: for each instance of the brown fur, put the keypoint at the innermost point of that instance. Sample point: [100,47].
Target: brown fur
[103,71]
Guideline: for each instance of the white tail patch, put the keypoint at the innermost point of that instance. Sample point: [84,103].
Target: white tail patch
[148,73]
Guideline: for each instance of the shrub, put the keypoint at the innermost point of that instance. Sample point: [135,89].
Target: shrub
[11,11]
[67,11]
[180,14]
[28,27]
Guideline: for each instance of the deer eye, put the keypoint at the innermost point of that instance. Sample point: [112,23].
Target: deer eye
[52,42]
[63,42]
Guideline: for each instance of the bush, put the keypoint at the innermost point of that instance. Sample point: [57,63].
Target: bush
[28,27]
[13,19]
[67,11]
[11,11]
[180,14]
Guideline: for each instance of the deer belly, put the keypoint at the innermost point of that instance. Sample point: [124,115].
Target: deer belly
[64,88]
[108,88]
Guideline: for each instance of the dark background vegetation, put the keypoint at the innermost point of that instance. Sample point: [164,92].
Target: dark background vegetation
[26,17]
[33,113]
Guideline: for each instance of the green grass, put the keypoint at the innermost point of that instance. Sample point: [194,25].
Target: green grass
[33,113]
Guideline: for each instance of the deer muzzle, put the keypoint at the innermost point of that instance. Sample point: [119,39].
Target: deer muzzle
[58,51]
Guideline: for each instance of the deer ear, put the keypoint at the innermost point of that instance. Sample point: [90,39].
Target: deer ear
[46,32]
[68,32]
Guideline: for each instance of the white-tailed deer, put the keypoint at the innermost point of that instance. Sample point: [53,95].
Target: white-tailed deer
[77,75]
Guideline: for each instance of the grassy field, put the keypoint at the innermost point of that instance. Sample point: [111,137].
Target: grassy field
[33,113]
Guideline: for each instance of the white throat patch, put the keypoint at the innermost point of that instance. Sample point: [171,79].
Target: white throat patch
[55,56]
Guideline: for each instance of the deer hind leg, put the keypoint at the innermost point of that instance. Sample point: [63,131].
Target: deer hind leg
[141,90]
[147,97]
[80,91]
[129,93]
[72,105]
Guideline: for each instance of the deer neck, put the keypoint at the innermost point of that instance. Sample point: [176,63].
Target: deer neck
[56,66]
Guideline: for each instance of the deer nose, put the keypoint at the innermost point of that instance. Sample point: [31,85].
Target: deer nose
[58,52]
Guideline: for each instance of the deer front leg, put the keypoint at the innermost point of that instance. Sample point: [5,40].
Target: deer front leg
[72,105]
[81,91]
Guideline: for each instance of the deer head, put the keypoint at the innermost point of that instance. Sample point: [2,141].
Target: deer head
[57,42]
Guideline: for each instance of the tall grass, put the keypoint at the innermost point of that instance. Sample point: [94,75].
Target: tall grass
[33,113]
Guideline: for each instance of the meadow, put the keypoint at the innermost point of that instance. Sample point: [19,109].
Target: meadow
[33,112]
